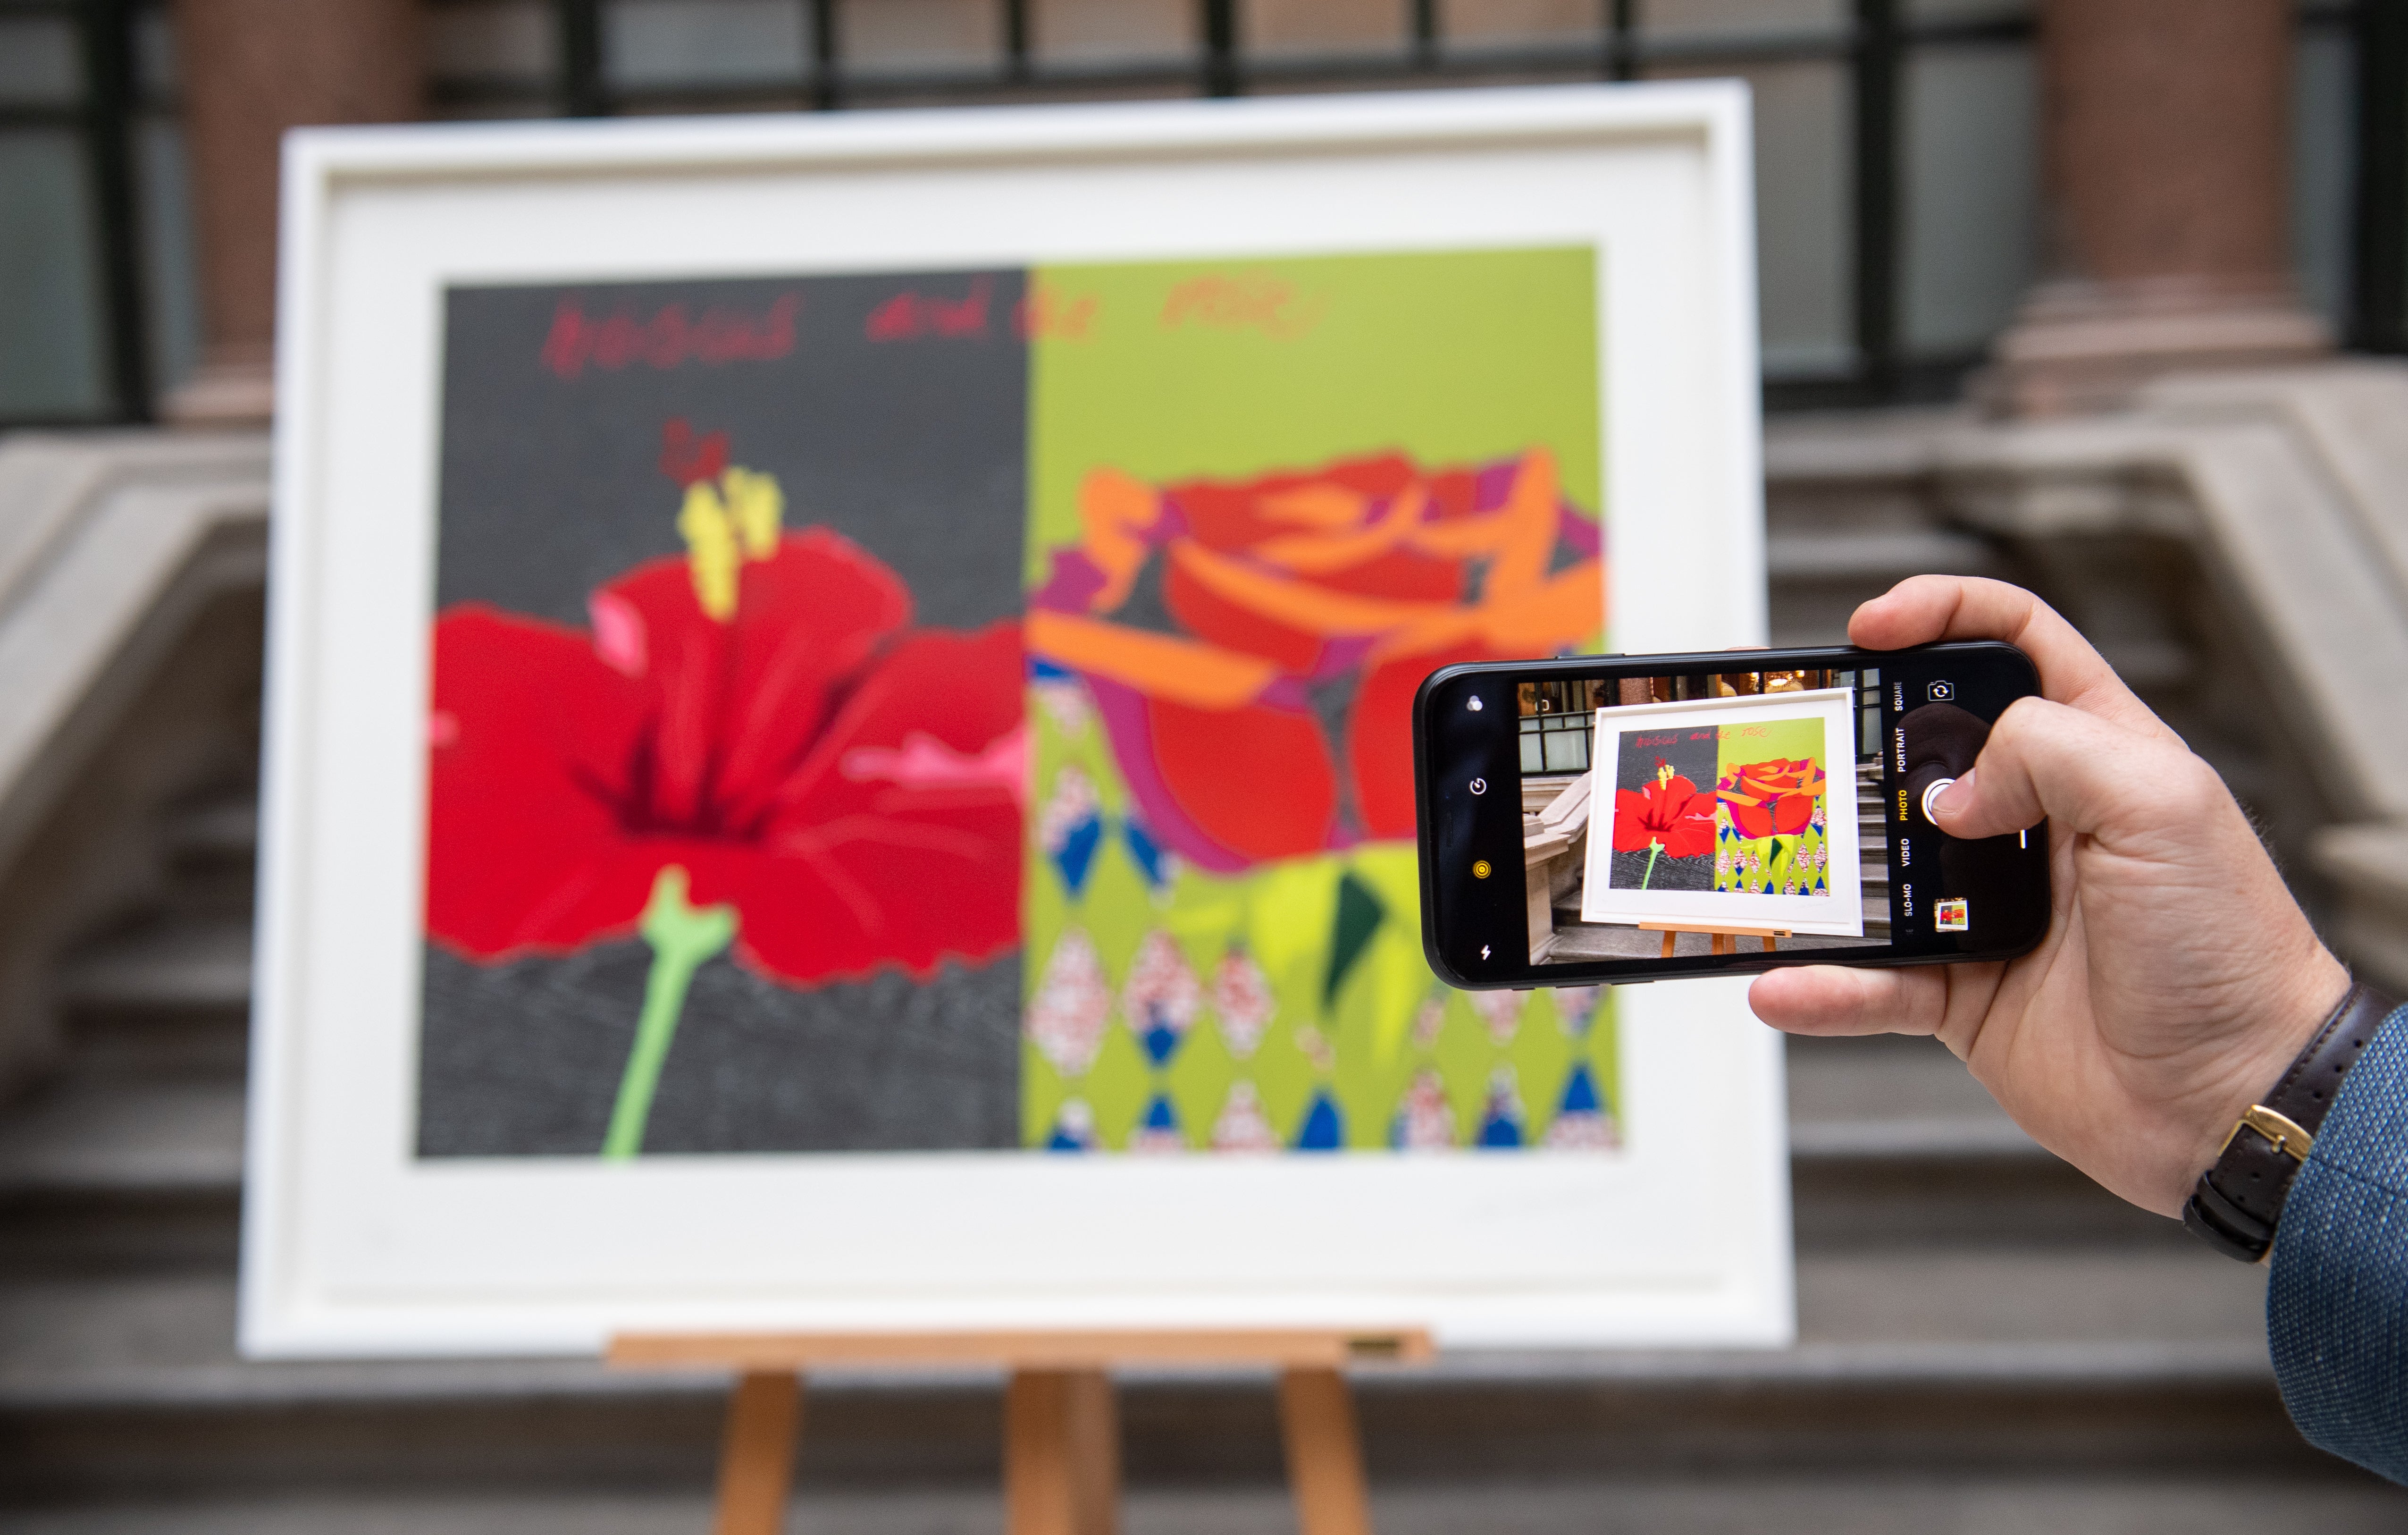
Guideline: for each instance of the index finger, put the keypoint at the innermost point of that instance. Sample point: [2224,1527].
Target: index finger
[1922,609]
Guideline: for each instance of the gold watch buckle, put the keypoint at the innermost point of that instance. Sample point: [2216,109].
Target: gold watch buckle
[2286,1134]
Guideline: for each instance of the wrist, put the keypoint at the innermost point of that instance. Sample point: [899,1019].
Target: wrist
[2238,1202]
[2285,1017]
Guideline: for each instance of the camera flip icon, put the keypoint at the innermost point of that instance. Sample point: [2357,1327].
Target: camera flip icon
[1942,693]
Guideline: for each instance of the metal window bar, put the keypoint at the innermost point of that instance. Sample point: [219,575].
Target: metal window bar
[2378,318]
[1875,50]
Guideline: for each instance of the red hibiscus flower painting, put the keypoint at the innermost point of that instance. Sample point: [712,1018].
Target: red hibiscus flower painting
[750,748]
[1253,645]
[1668,817]
[1772,798]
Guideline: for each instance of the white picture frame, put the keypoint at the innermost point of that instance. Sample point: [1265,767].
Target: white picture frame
[351,1247]
[1838,913]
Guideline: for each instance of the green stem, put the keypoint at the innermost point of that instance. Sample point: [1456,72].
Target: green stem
[1653,849]
[681,937]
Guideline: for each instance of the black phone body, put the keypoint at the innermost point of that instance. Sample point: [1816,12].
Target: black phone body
[1615,819]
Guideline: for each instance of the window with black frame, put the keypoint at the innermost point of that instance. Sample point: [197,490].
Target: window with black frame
[1898,187]
[1557,720]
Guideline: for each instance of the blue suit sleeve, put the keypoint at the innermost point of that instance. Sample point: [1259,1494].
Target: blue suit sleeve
[2337,1303]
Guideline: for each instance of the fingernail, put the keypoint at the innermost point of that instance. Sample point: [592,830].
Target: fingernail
[1957,797]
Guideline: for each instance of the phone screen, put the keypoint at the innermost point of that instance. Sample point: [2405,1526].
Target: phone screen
[1614,818]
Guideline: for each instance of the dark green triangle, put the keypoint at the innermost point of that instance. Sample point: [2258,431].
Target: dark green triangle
[1358,918]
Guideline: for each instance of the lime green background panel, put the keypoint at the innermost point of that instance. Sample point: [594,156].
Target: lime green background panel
[1451,357]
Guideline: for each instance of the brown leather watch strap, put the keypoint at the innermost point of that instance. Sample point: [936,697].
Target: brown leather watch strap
[2239,1201]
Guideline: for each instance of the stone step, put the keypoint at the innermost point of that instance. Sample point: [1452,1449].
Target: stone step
[1892,1145]
[109,1172]
[218,829]
[172,997]
[2087,1359]
[1794,557]
[1401,1504]
[1820,573]
[169,966]
[210,846]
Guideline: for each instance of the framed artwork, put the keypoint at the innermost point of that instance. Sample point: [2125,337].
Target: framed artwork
[838,750]
[1729,811]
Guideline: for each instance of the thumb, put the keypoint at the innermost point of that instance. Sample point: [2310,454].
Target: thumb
[2069,766]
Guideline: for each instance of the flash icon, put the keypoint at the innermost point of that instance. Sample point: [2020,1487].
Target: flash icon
[1483,951]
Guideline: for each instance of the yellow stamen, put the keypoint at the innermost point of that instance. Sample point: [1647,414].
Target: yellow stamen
[756,506]
[725,525]
[711,551]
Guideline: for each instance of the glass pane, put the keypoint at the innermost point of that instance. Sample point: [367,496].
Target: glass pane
[1476,25]
[493,41]
[38,67]
[1665,19]
[50,305]
[1969,158]
[691,42]
[1531,761]
[154,52]
[1567,751]
[914,35]
[1097,32]
[1803,194]
[2323,155]
[172,284]
[1270,28]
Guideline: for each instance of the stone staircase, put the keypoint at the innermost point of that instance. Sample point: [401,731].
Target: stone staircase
[1987,1343]
[1873,850]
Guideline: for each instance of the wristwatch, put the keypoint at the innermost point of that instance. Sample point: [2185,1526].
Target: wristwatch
[2239,1201]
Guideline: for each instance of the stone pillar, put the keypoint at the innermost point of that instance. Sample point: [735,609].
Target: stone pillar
[2168,140]
[249,69]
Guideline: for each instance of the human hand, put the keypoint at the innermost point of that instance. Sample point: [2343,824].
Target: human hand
[2178,977]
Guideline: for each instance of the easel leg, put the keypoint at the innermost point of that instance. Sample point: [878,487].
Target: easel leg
[756,1457]
[1061,1454]
[1668,944]
[1324,1459]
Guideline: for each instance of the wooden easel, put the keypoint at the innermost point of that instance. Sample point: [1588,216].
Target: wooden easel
[1061,1430]
[1725,939]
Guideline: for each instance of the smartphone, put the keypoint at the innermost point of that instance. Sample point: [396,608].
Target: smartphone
[1618,819]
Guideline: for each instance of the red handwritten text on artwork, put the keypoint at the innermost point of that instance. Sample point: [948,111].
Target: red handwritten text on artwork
[670,339]
[688,459]
[1268,303]
[911,315]
[1049,313]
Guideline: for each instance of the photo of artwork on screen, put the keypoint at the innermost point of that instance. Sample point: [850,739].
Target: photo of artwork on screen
[1721,808]
[1670,815]
[970,710]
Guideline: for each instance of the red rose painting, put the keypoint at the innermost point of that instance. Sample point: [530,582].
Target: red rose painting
[1259,707]
[1772,798]
[751,746]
